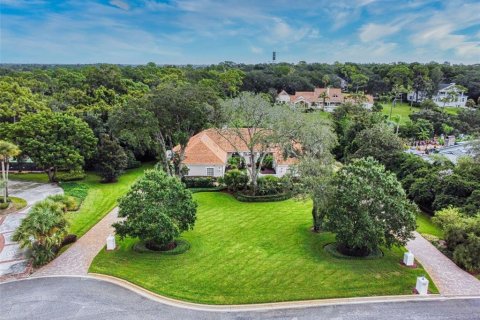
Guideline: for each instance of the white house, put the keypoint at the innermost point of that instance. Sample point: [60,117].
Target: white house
[447,95]
[321,98]
[207,154]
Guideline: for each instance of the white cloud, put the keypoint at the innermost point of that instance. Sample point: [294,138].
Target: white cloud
[120,4]
[372,31]
[256,50]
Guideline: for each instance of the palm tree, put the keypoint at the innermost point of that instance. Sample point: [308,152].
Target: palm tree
[324,96]
[7,150]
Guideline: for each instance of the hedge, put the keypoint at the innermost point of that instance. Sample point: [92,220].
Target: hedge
[199,182]
[267,198]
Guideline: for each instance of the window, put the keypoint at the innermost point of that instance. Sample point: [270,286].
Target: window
[210,172]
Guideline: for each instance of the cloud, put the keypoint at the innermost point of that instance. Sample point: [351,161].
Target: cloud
[120,4]
[256,50]
[372,31]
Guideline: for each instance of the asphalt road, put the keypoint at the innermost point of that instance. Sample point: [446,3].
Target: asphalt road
[83,298]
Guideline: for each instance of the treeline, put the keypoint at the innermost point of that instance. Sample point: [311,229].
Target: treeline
[376,79]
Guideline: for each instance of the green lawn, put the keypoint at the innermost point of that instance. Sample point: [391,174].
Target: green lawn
[426,226]
[101,197]
[401,109]
[256,252]
[35,177]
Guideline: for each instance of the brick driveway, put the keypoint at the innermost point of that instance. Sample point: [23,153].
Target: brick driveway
[77,259]
[449,278]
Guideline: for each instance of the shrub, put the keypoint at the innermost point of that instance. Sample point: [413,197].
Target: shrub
[271,185]
[4,205]
[68,203]
[199,182]
[157,208]
[69,239]
[235,180]
[132,162]
[268,162]
[111,159]
[73,175]
[462,236]
[268,198]
[42,231]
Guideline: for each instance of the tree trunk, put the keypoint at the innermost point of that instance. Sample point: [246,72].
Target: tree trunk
[163,151]
[4,182]
[316,218]
[51,172]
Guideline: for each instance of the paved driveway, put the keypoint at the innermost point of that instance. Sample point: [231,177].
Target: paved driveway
[86,298]
[13,260]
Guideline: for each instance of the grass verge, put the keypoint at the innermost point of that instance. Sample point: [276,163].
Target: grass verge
[253,253]
[426,226]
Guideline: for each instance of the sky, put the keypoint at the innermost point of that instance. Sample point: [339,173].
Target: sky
[243,31]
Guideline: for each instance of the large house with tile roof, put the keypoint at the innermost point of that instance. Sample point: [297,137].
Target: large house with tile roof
[207,154]
[321,98]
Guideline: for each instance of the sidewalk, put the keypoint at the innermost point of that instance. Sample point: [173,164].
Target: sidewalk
[449,278]
[77,259]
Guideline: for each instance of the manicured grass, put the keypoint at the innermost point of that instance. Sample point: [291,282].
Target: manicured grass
[31,176]
[426,226]
[256,252]
[97,198]
[17,204]
[101,199]
[451,110]
[401,109]
[321,114]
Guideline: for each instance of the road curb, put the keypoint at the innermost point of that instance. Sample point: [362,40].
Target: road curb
[254,307]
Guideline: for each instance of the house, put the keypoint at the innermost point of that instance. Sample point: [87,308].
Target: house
[207,154]
[321,98]
[447,95]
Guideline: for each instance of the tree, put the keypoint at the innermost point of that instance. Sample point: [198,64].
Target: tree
[368,209]
[470,103]
[111,159]
[42,231]
[249,119]
[325,80]
[379,142]
[7,151]
[157,208]
[310,140]
[54,141]
[324,96]
[17,101]
[181,111]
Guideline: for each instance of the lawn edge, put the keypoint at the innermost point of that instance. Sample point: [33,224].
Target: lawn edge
[260,306]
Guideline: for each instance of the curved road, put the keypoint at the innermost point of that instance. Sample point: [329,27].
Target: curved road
[87,298]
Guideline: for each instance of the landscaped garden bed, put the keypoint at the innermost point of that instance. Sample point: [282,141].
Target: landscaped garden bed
[256,252]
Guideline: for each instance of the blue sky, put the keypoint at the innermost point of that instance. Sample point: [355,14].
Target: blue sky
[211,31]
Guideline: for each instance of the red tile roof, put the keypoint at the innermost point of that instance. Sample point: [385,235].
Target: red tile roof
[212,146]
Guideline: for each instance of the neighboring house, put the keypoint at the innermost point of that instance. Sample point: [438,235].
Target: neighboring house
[321,98]
[207,154]
[447,95]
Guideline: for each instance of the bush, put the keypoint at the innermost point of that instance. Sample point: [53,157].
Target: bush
[199,182]
[111,159]
[42,231]
[73,175]
[235,180]
[271,185]
[69,239]
[132,162]
[157,208]
[462,236]
[268,198]
[68,203]
[4,205]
